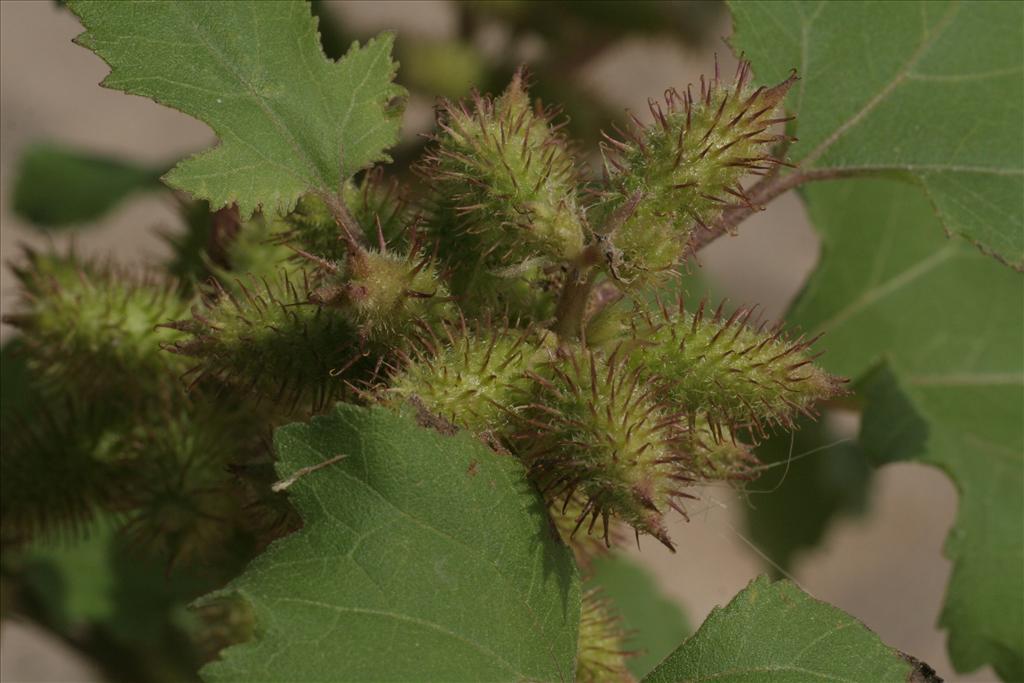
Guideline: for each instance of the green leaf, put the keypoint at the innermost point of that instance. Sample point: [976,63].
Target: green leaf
[654,624]
[776,632]
[932,91]
[75,580]
[125,611]
[949,326]
[289,119]
[423,557]
[812,478]
[57,186]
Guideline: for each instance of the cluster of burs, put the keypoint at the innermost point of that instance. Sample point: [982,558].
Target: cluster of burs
[514,298]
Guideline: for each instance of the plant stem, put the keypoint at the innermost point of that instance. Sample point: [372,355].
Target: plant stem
[343,217]
[760,194]
[572,302]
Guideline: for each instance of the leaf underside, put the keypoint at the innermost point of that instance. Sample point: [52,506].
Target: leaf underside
[932,91]
[934,331]
[423,557]
[289,120]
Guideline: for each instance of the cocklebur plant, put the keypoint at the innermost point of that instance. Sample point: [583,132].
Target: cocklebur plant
[301,318]
[474,381]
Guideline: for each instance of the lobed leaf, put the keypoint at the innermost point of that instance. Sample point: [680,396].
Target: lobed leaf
[423,557]
[289,120]
[949,328]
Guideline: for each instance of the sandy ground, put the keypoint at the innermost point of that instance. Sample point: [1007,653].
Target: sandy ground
[885,569]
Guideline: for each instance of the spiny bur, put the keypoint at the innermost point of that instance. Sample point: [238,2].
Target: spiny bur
[383,293]
[597,429]
[727,371]
[716,454]
[473,379]
[274,342]
[679,173]
[59,467]
[93,329]
[601,654]
[181,501]
[565,513]
[509,180]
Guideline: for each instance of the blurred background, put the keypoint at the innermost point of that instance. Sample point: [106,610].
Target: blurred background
[880,559]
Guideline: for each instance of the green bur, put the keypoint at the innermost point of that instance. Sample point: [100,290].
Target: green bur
[504,211]
[184,504]
[596,430]
[472,380]
[59,466]
[730,374]
[275,343]
[681,172]
[385,295]
[510,179]
[92,329]
[602,656]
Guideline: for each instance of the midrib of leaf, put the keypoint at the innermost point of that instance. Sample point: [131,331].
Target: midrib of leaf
[934,167]
[997,452]
[902,73]
[820,638]
[772,669]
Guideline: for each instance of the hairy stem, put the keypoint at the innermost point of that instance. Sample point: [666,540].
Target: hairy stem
[350,229]
[572,302]
[760,194]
